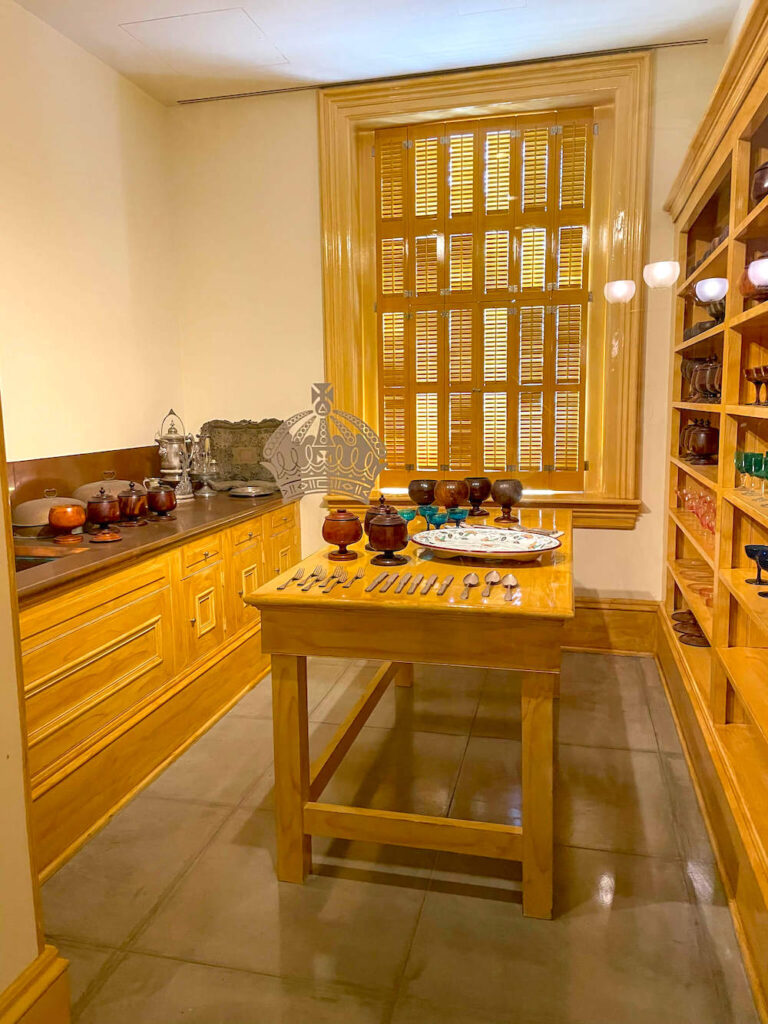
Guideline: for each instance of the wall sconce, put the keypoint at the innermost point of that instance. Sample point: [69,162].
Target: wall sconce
[711,289]
[619,291]
[757,272]
[661,275]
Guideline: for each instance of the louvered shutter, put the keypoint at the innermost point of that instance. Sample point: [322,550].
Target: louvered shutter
[482,262]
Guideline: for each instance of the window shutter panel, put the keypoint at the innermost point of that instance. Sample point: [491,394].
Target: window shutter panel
[426,346]
[460,346]
[426,431]
[535,170]
[568,345]
[495,431]
[567,430]
[393,349]
[461,173]
[460,263]
[570,261]
[573,167]
[530,432]
[496,260]
[426,171]
[460,431]
[426,264]
[531,357]
[392,266]
[533,258]
[498,166]
[392,174]
[394,430]
[495,341]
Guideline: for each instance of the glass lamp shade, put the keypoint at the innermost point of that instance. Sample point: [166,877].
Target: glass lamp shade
[619,291]
[711,289]
[661,275]
[757,272]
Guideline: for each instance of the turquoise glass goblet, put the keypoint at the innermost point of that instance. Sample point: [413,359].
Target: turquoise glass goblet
[426,511]
[458,515]
[437,519]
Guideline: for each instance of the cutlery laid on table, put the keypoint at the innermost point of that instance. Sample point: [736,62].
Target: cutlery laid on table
[469,581]
[294,579]
[318,573]
[358,576]
[491,579]
[338,577]
[444,585]
[429,584]
[509,582]
[388,583]
[415,582]
[375,582]
[403,580]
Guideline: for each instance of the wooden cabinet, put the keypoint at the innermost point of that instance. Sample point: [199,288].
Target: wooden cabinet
[123,670]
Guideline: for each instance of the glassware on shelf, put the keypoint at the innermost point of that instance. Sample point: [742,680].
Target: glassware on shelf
[754,551]
[738,460]
[753,462]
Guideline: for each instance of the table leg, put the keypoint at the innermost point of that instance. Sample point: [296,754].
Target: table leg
[404,675]
[291,733]
[538,711]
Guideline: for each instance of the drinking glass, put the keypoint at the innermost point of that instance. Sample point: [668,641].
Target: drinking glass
[752,463]
[426,511]
[738,459]
[458,515]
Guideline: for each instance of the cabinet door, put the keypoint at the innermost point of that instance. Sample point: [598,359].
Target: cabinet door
[283,551]
[244,575]
[204,606]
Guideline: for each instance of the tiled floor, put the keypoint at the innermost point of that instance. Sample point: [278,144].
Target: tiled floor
[172,913]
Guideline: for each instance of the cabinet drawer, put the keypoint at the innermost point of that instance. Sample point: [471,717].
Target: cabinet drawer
[201,552]
[203,598]
[249,532]
[245,572]
[76,683]
[282,518]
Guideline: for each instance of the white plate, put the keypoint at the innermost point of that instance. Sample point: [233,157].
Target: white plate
[486,542]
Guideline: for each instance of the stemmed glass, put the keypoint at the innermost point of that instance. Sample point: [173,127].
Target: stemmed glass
[457,515]
[738,460]
[751,375]
[753,461]
[762,475]
[426,511]
[436,518]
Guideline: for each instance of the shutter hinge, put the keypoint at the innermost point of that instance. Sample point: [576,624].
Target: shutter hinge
[556,129]
[443,468]
[590,297]
[512,468]
[549,310]
[409,316]
[512,310]
[407,294]
[407,143]
[373,151]
[410,467]
[595,128]
[550,286]
[548,469]
[586,465]
[375,307]
[513,288]
[444,140]
[445,291]
[515,134]
[444,314]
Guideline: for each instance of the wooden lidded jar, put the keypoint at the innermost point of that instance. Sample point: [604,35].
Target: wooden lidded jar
[375,510]
[388,534]
[342,528]
[103,510]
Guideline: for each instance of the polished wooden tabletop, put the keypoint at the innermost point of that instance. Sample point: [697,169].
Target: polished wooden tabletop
[545,586]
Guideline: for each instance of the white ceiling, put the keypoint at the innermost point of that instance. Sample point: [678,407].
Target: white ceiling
[179,49]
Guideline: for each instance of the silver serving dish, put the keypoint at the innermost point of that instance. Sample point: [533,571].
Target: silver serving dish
[249,491]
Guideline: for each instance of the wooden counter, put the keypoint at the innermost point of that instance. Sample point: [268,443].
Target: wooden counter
[130,653]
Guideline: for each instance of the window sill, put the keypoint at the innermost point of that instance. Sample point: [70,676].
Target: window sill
[590,512]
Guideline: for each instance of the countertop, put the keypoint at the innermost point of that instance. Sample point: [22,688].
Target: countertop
[193,518]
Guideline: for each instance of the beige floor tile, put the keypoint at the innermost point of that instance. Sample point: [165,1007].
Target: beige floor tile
[261,796]
[398,770]
[230,910]
[85,962]
[441,699]
[498,711]
[322,674]
[622,950]
[597,722]
[150,990]
[488,788]
[663,723]
[222,765]
[691,829]
[415,1011]
[113,882]
[610,677]
[614,800]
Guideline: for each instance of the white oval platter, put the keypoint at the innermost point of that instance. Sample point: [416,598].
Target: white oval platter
[485,542]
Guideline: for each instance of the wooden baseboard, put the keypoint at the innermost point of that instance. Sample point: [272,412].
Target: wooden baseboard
[612,626]
[40,995]
[715,796]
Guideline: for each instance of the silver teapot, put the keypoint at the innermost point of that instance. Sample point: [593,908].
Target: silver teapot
[173,445]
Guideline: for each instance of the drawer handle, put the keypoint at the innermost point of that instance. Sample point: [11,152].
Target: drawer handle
[206,554]
[192,622]
[277,572]
[250,535]
[239,593]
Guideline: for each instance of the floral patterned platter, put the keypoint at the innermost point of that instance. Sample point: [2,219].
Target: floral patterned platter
[486,542]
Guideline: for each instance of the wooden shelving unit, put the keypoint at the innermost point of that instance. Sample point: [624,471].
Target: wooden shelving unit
[726,684]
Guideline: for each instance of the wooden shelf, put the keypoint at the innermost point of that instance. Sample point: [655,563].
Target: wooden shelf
[747,669]
[694,601]
[743,501]
[752,321]
[715,265]
[755,224]
[747,593]
[745,758]
[706,475]
[702,540]
[759,412]
[699,406]
[712,333]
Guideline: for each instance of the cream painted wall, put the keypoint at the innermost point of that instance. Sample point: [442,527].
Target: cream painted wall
[247,215]
[18,929]
[89,356]
[247,209]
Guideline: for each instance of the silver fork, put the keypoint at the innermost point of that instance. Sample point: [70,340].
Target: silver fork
[358,576]
[294,579]
[334,576]
[318,573]
[335,580]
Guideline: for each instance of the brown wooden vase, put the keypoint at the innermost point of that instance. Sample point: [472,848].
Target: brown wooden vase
[64,519]
[388,534]
[161,499]
[507,493]
[422,492]
[451,493]
[342,528]
[375,510]
[479,490]
[103,511]
[703,444]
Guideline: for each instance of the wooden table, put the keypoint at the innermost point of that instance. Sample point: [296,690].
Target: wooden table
[403,629]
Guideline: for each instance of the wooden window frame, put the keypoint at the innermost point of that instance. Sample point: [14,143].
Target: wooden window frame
[618,88]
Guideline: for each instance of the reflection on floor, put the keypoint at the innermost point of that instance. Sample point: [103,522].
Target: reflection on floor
[172,913]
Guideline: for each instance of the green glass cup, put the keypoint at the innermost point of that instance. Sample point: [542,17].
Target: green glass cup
[738,460]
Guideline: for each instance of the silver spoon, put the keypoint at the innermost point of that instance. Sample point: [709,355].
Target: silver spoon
[509,582]
[470,580]
[491,579]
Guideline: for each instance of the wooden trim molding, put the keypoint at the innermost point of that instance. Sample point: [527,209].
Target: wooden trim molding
[742,70]
[40,995]
[618,88]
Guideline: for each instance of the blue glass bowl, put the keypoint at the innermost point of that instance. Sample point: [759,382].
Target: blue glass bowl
[458,515]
